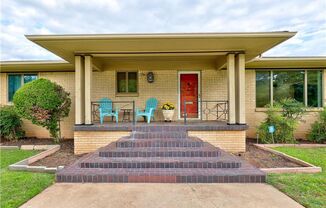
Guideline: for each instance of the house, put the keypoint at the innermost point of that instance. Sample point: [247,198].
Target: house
[219,81]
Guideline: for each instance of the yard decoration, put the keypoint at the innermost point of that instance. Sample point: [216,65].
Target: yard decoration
[168,111]
[44,103]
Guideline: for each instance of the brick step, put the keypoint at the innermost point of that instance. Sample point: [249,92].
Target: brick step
[128,143]
[140,162]
[159,128]
[158,135]
[205,151]
[186,175]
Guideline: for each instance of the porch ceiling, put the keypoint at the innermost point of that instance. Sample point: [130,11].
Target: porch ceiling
[169,44]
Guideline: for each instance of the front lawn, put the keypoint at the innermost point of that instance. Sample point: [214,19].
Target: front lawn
[307,189]
[18,187]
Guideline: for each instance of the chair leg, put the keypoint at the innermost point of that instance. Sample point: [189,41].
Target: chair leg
[116,119]
[148,119]
[101,120]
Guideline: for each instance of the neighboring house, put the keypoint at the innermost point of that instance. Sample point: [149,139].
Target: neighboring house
[221,75]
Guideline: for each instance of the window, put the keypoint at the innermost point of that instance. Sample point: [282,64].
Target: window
[315,94]
[15,81]
[262,88]
[288,84]
[127,82]
[303,86]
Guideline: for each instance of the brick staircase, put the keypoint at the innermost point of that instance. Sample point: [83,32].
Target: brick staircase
[161,154]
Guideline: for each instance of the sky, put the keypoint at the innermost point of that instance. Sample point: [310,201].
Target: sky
[22,17]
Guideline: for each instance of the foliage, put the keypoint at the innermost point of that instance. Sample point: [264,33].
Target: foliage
[305,188]
[18,187]
[284,116]
[10,124]
[318,129]
[45,103]
[168,106]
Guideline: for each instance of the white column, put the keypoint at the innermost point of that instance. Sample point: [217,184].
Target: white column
[88,89]
[230,65]
[79,90]
[240,85]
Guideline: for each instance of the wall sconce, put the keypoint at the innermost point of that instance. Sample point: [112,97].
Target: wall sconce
[150,77]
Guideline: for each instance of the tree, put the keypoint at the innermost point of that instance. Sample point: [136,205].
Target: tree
[44,103]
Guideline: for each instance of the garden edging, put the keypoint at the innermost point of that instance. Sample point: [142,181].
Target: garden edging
[24,165]
[308,168]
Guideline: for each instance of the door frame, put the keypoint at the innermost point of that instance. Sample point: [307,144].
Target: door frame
[199,93]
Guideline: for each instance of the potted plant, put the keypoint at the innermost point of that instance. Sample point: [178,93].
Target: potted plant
[168,111]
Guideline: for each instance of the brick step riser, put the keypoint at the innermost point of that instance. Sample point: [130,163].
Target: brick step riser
[158,179]
[159,129]
[160,154]
[163,135]
[161,165]
[130,144]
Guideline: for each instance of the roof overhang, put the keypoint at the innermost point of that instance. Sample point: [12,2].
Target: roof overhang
[305,62]
[160,44]
[36,66]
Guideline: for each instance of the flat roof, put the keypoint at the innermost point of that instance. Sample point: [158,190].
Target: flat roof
[288,62]
[251,43]
[36,66]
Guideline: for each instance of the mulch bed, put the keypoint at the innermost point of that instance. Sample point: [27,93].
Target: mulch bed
[65,156]
[263,159]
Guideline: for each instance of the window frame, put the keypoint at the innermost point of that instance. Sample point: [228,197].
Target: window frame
[127,93]
[21,80]
[305,87]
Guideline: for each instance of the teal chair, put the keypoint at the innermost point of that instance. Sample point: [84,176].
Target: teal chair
[148,113]
[106,109]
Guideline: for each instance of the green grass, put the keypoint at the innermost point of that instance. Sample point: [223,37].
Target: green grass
[18,187]
[307,189]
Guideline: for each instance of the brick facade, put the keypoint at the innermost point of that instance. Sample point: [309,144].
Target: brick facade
[165,88]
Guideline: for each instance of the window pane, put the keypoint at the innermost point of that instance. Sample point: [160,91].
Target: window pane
[121,82]
[132,81]
[288,84]
[29,78]
[314,88]
[14,83]
[262,88]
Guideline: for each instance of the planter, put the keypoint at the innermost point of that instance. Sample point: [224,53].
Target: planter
[168,115]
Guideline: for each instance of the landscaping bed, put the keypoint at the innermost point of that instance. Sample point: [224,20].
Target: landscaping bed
[63,157]
[263,159]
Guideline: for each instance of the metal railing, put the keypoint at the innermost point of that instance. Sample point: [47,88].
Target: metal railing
[208,110]
[126,111]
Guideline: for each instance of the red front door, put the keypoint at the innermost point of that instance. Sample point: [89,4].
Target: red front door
[189,93]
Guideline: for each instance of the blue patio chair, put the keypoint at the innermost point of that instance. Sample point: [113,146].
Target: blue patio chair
[106,109]
[148,113]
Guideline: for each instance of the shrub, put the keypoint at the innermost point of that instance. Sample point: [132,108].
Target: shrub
[318,129]
[43,102]
[284,116]
[10,124]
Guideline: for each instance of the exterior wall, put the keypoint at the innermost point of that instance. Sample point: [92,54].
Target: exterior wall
[67,81]
[231,141]
[89,141]
[255,116]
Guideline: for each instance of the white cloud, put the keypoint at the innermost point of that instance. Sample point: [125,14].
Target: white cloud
[131,16]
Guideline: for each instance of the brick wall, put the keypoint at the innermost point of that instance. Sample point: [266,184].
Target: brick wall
[89,141]
[231,141]
[255,116]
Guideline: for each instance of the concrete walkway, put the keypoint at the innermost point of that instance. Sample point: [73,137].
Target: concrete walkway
[161,195]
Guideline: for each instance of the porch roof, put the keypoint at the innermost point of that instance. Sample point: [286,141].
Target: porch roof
[124,45]
[36,66]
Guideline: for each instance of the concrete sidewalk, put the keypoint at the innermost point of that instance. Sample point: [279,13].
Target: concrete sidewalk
[161,195]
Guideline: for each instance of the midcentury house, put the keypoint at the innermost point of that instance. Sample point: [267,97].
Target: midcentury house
[218,82]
